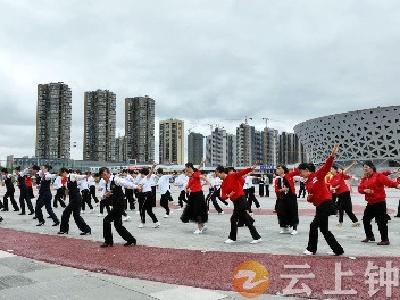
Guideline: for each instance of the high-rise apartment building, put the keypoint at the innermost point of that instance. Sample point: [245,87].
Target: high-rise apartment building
[195,148]
[99,125]
[172,142]
[140,129]
[53,121]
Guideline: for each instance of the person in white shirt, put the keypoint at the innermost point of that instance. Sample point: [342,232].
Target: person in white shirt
[10,191]
[58,185]
[45,196]
[154,182]
[251,192]
[114,195]
[129,194]
[84,187]
[181,181]
[146,197]
[92,188]
[212,181]
[164,186]
[103,204]
[74,204]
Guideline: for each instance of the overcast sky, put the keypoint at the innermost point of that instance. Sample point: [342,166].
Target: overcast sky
[202,61]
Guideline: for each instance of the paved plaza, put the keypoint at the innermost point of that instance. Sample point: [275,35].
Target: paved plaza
[170,261]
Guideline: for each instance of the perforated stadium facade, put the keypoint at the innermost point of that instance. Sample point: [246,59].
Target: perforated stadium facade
[363,134]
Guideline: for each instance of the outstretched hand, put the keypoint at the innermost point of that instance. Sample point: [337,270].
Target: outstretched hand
[335,150]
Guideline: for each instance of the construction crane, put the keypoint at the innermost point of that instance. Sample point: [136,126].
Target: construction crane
[266,122]
[246,118]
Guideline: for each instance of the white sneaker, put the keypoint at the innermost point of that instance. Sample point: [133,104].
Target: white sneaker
[141,225]
[256,241]
[166,216]
[308,253]
[221,213]
[171,211]
[82,212]
[180,208]
[156,225]
[100,215]
[137,212]
[284,230]
[204,229]
[198,231]
[126,219]
[229,241]
[294,232]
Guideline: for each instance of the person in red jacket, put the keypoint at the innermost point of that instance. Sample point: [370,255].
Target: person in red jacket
[340,188]
[196,207]
[319,195]
[232,188]
[372,185]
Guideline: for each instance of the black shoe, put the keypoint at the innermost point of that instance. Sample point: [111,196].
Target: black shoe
[40,224]
[1,219]
[22,214]
[34,218]
[384,243]
[4,209]
[105,245]
[62,232]
[48,217]
[398,216]
[16,209]
[86,233]
[133,242]
[56,224]
[31,213]
[368,240]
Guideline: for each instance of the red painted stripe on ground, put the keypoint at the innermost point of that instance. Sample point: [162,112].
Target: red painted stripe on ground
[210,270]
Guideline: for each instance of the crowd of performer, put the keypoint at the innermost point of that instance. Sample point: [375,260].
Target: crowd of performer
[326,187]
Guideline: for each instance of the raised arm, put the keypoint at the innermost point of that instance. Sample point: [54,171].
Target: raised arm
[322,171]
[345,170]
[153,167]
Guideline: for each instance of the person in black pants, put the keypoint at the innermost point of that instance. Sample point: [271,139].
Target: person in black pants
[267,182]
[45,197]
[261,186]
[145,197]
[60,194]
[129,193]
[23,192]
[92,188]
[251,194]
[84,187]
[115,196]
[10,191]
[302,190]
[232,187]
[321,197]
[74,205]
[372,185]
